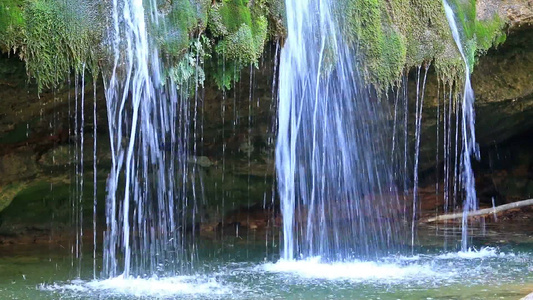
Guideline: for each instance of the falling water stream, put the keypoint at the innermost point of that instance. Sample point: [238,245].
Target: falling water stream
[148,206]
[338,194]
[346,185]
[468,137]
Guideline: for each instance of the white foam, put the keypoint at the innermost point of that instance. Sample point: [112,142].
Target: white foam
[486,252]
[73,287]
[147,287]
[353,270]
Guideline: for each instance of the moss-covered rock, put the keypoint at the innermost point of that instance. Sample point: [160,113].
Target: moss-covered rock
[382,50]
[48,203]
[392,36]
[180,19]
[8,193]
[240,31]
[12,23]
[479,35]
[55,37]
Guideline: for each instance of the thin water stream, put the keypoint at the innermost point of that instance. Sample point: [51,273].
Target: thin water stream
[468,134]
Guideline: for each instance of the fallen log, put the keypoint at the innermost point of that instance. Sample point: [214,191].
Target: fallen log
[481,212]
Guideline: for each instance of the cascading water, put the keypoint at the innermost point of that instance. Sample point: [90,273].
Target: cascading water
[469,146]
[147,209]
[337,189]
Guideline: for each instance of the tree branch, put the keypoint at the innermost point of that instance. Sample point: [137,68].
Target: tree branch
[481,212]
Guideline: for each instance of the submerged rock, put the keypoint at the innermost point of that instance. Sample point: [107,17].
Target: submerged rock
[202,161]
[254,217]
[8,193]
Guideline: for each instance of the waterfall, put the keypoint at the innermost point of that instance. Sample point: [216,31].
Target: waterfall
[147,205]
[469,146]
[337,189]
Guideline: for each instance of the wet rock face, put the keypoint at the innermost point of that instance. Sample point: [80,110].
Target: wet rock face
[504,92]
[12,73]
[502,82]
[506,173]
[518,12]
[39,144]
[236,135]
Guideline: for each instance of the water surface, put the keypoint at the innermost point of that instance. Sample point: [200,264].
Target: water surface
[249,267]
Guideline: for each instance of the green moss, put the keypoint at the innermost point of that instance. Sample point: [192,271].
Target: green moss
[391,36]
[190,67]
[47,47]
[240,38]
[383,35]
[224,72]
[489,34]
[240,32]
[11,14]
[175,35]
[59,37]
[11,24]
[276,18]
[228,17]
[55,37]
[231,30]
[246,44]
[478,35]
[181,18]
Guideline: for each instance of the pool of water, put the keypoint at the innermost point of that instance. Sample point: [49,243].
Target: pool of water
[250,268]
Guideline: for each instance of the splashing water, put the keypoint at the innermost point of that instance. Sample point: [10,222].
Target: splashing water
[485,273]
[468,134]
[353,270]
[120,286]
[337,190]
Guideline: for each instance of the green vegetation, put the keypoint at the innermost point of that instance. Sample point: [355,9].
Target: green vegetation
[11,24]
[382,50]
[225,35]
[182,19]
[240,32]
[53,37]
[391,36]
[480,35]
[189,68]
[56,37]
